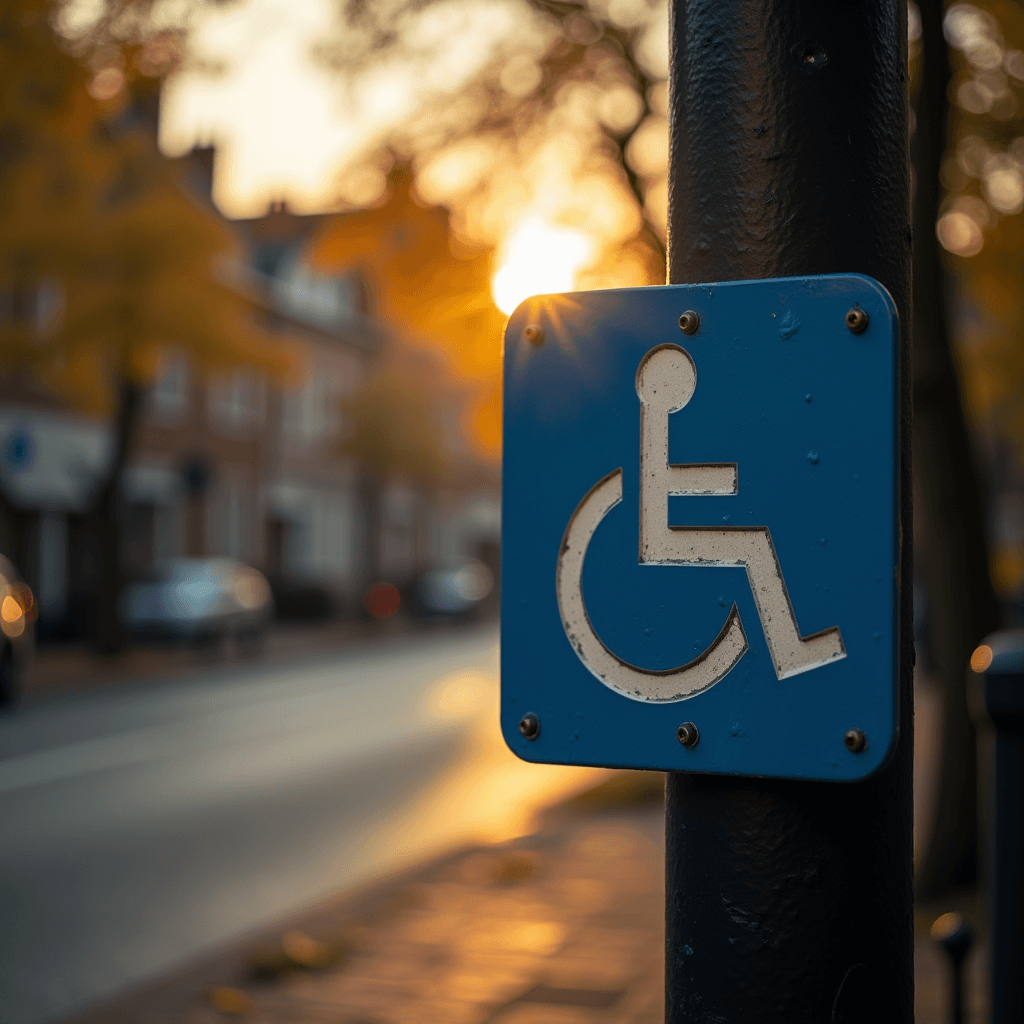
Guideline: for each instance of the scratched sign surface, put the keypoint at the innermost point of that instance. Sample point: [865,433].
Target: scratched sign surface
[700,528]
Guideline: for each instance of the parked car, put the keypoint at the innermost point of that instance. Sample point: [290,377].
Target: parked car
[17,615]
[455,592]
[201,600]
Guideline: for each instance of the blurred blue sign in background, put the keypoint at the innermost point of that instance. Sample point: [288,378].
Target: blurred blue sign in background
[19,449]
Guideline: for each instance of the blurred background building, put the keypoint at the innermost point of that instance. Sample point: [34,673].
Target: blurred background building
[239,462]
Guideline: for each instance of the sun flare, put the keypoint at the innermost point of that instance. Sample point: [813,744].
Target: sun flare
[540,258]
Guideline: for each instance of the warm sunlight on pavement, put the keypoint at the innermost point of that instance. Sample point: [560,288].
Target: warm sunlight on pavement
[488,795]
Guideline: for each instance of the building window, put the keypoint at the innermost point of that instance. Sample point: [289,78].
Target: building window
[231,517]
[52,584]
[238,402]
[313,413]
[168,542]
[168,398]
[233,524]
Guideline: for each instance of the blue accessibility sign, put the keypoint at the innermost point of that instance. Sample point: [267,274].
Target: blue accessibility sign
[699,528]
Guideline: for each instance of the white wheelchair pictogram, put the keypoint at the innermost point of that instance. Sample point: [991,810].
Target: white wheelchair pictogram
[665,381]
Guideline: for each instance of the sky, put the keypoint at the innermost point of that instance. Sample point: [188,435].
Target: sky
[277,119]
[283,125]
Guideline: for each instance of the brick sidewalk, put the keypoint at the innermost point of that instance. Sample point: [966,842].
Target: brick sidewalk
[561,927]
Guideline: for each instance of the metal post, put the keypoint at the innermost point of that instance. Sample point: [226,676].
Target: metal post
[1004,702]
[792,901]
[955,937]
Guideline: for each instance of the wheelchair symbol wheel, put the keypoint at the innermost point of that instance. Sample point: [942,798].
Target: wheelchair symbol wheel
[665,381]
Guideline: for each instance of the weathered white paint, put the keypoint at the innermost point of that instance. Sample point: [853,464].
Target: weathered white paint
[665,382]
[637,683]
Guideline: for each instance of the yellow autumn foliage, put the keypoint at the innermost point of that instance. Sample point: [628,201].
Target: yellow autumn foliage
[435,289]
[105,259]
[982,219]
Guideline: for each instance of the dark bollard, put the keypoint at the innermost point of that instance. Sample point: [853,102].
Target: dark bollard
[954,935]
[1000,662]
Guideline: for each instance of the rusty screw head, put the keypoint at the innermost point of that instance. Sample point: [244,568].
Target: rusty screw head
[857,320]
[688,735]
[689,322]
[534,334]
[529,726]
[855,740]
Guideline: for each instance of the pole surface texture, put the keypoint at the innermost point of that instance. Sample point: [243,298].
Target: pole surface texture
[1004,702]
[791,901]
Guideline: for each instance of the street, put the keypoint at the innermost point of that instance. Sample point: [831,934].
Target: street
[142,826]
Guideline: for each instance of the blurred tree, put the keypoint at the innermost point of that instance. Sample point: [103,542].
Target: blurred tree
[981,225]
[392,429]
[969,318]
[105,260]
[434,288]
[952,553]
[564,122]
[586,75]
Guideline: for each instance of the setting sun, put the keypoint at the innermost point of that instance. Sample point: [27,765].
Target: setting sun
[540,258]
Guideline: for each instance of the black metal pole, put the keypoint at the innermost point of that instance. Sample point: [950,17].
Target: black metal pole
[955,936]
[792,901]
[1004,702]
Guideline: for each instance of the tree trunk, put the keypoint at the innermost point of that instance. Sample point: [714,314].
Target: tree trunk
[960,604]
[105,521]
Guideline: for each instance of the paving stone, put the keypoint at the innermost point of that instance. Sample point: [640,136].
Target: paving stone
[564,927]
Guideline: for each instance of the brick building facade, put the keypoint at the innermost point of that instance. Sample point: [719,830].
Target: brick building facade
[235,464]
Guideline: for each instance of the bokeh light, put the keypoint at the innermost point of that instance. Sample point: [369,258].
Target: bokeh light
[960,233]
[981,659]
[540,258]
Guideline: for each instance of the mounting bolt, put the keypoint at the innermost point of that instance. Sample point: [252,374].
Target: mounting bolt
[534,334]
[689,322]
[855,740]
[529,726]
[688,735]
[857,320]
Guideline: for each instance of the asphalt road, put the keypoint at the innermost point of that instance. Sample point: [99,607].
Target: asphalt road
[141,826]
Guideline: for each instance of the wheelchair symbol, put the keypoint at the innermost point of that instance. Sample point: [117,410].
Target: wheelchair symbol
[665,381]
